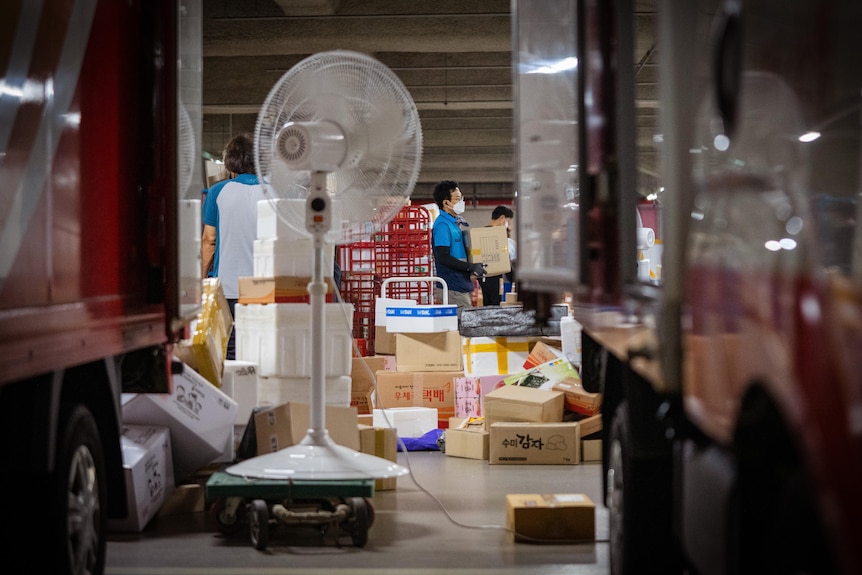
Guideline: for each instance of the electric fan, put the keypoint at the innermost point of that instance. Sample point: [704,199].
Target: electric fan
[338,146]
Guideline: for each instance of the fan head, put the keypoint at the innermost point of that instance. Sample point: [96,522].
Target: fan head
[347,115]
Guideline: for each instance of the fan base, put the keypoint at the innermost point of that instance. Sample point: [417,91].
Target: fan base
[317,457]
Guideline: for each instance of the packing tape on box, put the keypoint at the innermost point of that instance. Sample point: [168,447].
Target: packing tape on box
[501,347]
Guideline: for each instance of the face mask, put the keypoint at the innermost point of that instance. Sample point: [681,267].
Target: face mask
[459,207]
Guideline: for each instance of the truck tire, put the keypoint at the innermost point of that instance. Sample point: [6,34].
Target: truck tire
[77,526]
[638,505]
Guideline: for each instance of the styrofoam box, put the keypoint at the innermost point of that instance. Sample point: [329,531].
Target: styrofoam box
[421,318]
[239,381]
[201,418]
[407,421]
[270,225]
[289,257]
[381,303]
[277,336]
[189,216]
[149,472]
[278,390]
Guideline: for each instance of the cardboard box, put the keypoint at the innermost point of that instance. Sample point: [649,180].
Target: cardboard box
[495,355]
[287,424]
[543,352]
[578,399]
[470,392]
[278,289]
[186,498]
[428,351]
[382,442]
[200,416]
[551,518]
[384,342]
[148,468]
[545,375]
[490,246]
[362,380]
[435,389]
[212,328]
[239,382]
[407,421]
[535,443]
[429,318]
[513,403]
[468,443]
[591,450]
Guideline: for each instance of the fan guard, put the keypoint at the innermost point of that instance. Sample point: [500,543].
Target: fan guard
[378,138]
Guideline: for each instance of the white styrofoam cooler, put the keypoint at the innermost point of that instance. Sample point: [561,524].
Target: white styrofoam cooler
[278,390]
[407,421]
[422,318]
[277,336]
[289,257]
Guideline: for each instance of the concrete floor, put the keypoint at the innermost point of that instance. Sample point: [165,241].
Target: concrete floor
[447,516]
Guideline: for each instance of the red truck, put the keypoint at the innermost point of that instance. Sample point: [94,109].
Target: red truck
[96,129]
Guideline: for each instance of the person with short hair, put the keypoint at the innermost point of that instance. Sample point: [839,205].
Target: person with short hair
[449,249]
[230,223]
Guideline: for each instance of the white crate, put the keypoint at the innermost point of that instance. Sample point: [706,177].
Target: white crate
[277,336]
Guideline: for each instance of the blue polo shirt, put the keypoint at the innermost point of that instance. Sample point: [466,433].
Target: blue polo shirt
[447,232]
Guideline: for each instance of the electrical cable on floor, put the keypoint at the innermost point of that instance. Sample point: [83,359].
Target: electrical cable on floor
[495,527]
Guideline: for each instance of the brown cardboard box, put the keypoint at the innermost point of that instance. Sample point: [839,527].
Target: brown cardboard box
[577,398]
[515,403]
[362,376]
[278,289]
[384,342]
[382,442]
[439,351]
[286,424]
[535,443]
[543,352]
[490,246]
[555,518]
[591,450]
[468,443]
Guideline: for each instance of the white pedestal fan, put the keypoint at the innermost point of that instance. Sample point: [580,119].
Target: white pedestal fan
[338,134]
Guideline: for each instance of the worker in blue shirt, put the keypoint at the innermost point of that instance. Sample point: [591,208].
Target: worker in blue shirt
[450,251]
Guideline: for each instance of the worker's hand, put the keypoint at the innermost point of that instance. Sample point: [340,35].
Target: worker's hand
[477,270]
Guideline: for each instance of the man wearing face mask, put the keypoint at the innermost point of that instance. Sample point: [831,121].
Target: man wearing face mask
[450,252]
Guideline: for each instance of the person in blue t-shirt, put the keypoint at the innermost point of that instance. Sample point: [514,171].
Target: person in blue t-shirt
[450,252]
[230,223]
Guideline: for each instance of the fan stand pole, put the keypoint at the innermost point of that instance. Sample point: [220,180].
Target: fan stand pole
[318,212]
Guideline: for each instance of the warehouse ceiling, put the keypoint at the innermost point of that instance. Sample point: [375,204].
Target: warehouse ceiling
[454,56]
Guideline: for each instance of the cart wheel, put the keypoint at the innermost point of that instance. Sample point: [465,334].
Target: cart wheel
[226,523]
[258,524]
[361,520]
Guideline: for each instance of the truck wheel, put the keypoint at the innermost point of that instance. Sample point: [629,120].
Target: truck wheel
[638,501]
[77,528]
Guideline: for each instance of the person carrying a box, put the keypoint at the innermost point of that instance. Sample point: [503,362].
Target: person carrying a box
[449,249]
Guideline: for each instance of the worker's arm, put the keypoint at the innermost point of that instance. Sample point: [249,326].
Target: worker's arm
[208,243]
